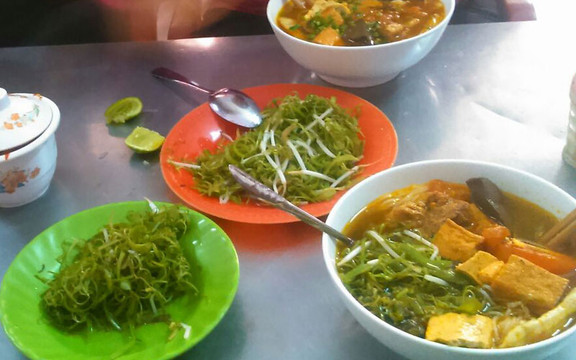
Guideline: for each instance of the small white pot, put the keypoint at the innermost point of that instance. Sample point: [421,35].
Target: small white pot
[26,173]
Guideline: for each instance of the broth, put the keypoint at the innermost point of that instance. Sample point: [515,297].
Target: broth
[529,221]
[359,22]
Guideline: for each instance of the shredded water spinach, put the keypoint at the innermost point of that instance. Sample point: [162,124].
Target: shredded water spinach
[407,289]
[306,150]
[123,276]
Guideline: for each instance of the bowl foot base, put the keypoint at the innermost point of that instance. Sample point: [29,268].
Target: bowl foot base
[358,83]
[23,200]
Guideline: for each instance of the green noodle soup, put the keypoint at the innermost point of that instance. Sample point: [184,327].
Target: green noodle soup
[427,259]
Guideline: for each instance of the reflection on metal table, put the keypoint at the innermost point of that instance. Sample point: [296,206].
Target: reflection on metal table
[492,92]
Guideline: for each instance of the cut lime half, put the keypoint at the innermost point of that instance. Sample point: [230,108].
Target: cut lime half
[143,140]
[123,110]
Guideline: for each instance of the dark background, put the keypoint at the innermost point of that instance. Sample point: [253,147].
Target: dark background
[54,22]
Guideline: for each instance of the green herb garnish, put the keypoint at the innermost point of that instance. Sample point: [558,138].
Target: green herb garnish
[123,276]
[305,149]
[402,281]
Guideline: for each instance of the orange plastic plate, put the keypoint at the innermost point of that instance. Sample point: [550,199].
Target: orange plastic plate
[202,129]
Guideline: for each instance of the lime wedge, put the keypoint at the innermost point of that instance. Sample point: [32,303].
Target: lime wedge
[143,140]
[123,110]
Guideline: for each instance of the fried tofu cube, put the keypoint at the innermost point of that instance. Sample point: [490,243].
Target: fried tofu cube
[521,280]
[487,275]
[328,36]
[471,331]
[476,264]
[334,15]
[455,242]
[286,22]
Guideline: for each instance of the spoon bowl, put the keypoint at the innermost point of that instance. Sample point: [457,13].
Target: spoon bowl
[236,107]
[230,104]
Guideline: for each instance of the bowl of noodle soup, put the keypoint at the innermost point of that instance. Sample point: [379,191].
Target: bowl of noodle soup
[359,65]
[402,340]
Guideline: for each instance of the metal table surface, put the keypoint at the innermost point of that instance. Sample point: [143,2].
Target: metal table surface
[493,92]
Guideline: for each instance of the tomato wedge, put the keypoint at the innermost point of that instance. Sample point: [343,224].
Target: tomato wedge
[499,243]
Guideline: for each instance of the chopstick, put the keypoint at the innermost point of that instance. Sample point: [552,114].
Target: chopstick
[562,232]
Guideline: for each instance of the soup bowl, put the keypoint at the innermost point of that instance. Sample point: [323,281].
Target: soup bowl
[523,184]
[358,66]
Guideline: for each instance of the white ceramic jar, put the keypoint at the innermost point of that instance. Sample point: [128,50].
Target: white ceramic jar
[27,147]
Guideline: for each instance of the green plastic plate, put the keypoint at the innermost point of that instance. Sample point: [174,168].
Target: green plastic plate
[205,244]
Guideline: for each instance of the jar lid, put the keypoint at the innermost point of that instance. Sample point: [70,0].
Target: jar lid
[23,117]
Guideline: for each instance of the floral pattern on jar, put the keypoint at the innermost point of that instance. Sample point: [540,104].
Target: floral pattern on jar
[16,178]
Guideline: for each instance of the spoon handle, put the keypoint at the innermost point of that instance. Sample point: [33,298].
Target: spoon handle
[167,74]
[262,192]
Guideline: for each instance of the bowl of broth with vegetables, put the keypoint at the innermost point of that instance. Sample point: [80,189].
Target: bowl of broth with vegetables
[453,259]
[358,43]
[359,22]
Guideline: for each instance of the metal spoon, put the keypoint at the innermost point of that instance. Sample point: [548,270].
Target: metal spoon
[232,105]
[266,194]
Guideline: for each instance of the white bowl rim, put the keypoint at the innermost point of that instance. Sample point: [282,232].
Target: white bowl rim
[39,141]
[440,25]
[460,350]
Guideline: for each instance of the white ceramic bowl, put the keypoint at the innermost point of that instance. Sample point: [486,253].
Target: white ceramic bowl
[25,174]
[358,66]
[523,184]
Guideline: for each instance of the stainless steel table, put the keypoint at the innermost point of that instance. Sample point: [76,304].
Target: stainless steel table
[493,92]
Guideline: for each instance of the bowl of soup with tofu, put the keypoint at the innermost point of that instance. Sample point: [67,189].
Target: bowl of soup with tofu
[455,259]
[358,43]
